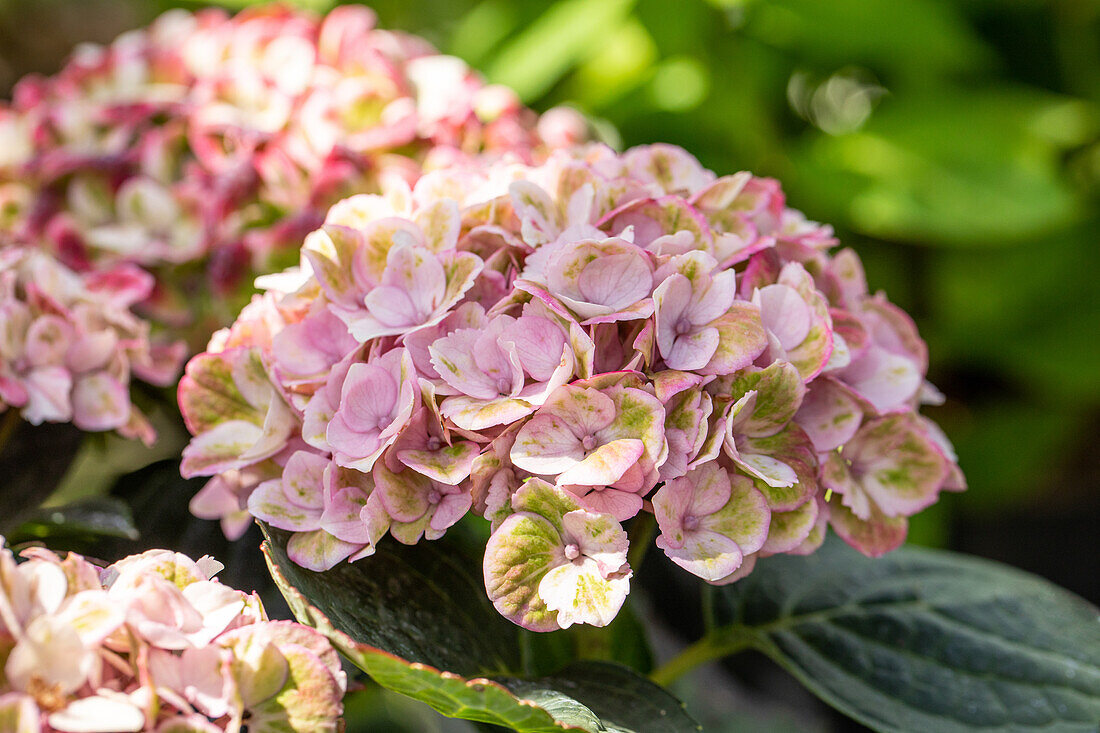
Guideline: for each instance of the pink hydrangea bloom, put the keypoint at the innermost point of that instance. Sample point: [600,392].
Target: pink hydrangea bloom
[70,344]
[153,642]
[559,348]
[710,521]
[220,141]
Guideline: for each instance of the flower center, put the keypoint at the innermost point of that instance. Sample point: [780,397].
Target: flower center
[382,422]
[434,443]
[691,522]
[682,326]
[49,697]
[504,386]
[572,552]
[588,442]
[434,496]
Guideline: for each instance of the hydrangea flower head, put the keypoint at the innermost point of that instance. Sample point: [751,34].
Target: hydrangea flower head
[559,349]
[70,344]
[153,642]
[204,147]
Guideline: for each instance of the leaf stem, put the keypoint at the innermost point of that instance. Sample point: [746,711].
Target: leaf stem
[707,601]
[8,426]
[715,645]
[641,536]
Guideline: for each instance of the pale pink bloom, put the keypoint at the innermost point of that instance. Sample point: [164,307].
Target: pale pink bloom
[761,413]
[607,442]
[501,372]
[452,342]
[710,520]
[700,325]
[600,281]
[153,643]
[417,504]
[376,401]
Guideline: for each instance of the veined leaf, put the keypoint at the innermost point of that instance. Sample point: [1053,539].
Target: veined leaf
[923,639]
[418,623]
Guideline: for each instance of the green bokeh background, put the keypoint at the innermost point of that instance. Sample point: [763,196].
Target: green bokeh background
[954,144]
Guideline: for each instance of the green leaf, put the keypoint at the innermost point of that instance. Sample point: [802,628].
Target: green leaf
[634,703]
[418,622]
[33,459]
[911,38]
[421,603]
[951,168]
[549,47]
[95,517]
[922,639]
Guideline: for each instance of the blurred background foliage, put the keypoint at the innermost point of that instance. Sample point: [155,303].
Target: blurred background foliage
[954,143]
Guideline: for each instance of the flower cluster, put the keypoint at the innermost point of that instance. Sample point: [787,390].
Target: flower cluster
[153,643]
[559,349]
[199,147]
[69,344]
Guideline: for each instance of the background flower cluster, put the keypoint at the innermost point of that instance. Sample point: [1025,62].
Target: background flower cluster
[198,150]
[559,348]
[70,343]
[153,643]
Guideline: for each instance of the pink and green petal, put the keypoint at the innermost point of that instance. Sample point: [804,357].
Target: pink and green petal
[580,593]
[745,518]
[318,550]
[603,466]
[706,554]
[742,338]
[900,467]
[220,448]
[874,536]
[450,464]
[518,556]
[790,529]
[829,414]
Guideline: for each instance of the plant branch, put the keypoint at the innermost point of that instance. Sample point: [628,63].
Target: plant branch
[713,646]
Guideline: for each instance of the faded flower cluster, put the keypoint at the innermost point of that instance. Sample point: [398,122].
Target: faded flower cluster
[199,147]
[153,643]
[70,344]
[559,349]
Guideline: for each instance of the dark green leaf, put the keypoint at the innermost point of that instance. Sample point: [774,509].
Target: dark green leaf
[923,639]
[90,518]
[623,641]
[602,696]
[421,603]
[33,458]
[418,622]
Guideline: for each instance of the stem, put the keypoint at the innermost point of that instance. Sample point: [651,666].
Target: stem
[641,537]
[710,647]
[707,601]
[8,426]
[590,642]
